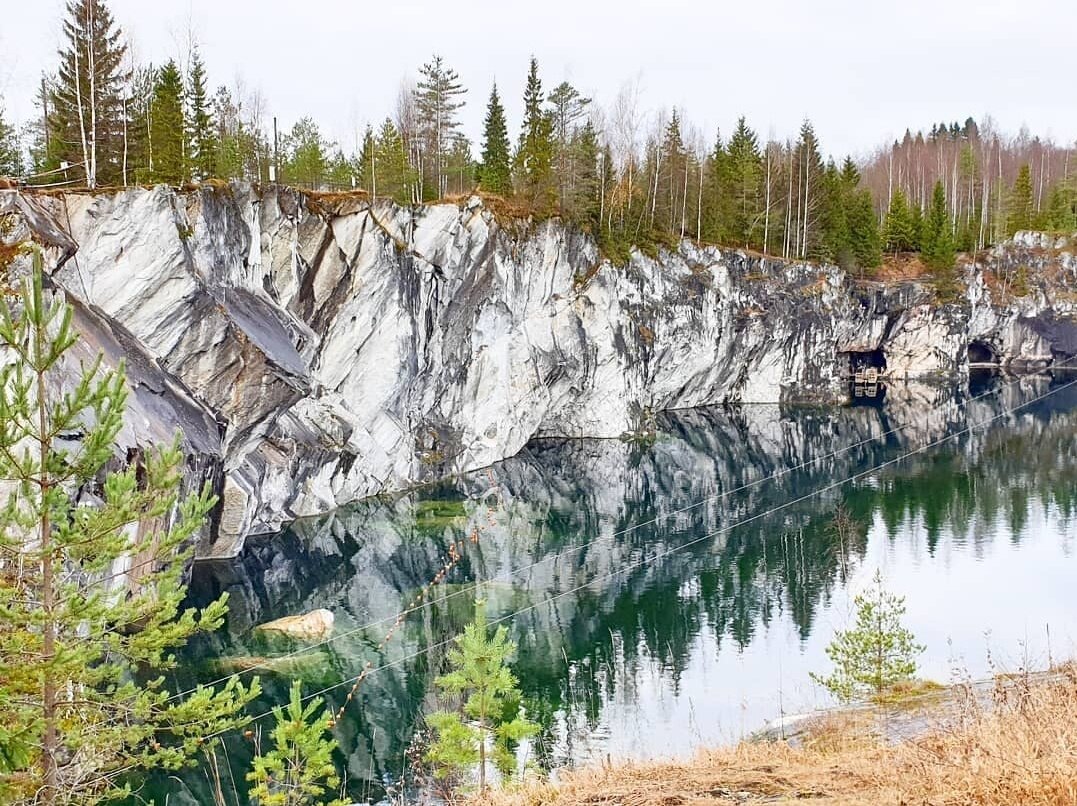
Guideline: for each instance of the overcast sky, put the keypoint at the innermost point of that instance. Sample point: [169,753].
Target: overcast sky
[862,70]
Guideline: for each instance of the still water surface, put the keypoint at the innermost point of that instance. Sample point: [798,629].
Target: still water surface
[651,622]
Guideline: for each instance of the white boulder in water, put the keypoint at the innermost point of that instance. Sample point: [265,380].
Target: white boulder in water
[315,624]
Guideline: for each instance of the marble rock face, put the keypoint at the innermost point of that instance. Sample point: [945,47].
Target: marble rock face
[314,350]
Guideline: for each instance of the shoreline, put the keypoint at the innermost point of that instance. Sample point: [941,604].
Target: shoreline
[1011,739]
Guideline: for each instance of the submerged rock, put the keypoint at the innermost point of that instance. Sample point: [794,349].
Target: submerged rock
[319,350]
[315,624]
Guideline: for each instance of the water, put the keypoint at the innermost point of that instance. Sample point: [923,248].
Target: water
[649,622]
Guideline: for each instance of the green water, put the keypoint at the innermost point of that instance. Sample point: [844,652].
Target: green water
[650,623]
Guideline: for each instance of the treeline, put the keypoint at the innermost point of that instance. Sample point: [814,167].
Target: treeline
[628,177]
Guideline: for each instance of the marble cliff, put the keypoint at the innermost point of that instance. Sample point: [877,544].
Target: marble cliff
[314,351]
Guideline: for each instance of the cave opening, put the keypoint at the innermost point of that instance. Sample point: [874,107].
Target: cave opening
[981,354]
[861,361]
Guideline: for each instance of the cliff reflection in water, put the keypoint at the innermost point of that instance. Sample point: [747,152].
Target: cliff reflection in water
[659,655]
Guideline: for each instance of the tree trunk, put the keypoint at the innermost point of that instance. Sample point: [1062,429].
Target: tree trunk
[92,64]
[50,743]
[82,118]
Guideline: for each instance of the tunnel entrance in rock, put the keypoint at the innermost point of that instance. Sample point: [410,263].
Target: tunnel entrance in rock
[982,354]
[862,361]
[865,370]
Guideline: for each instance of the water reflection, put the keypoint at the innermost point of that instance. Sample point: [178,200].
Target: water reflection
[657,656]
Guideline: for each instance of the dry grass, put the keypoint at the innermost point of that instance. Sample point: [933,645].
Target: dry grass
[1016,744]
[902,266]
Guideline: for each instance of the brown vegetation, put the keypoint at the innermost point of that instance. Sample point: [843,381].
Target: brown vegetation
[900,266]
[1013,744]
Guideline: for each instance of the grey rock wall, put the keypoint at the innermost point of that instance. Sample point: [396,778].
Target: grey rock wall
[315,351]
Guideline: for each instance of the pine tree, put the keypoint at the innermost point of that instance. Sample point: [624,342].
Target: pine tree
[492,706]
[460,167]
[495,173]
[339,170]
[1019,205]
[567,108]
[203,144]
[367,174]
[307,160]
[437,101]
[86,102]
[167,130]
[875,654]
[243,151]
[900,231]
[394,174]
[10,156]
[299,769]
[82,648]
[534,157]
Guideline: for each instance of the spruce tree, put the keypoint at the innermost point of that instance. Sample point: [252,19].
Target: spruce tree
[86,99]
[716,212]
[899,228]
[495,173]
[810,193]
[480,674]
[1061,214]
[203,144]
[937,240]
[917,218]
[745,175]
[167,129]
[1019,205]
[865,240]
[833,221]
[534,157]
[850,174]
[585,201]
[86,631]
[672,156]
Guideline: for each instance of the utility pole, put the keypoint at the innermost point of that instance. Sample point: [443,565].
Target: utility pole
[45,114]
[276,153]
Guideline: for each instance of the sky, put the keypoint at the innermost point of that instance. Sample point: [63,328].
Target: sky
[861,70]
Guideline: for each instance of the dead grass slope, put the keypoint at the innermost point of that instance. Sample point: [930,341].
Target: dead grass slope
[1016,746]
